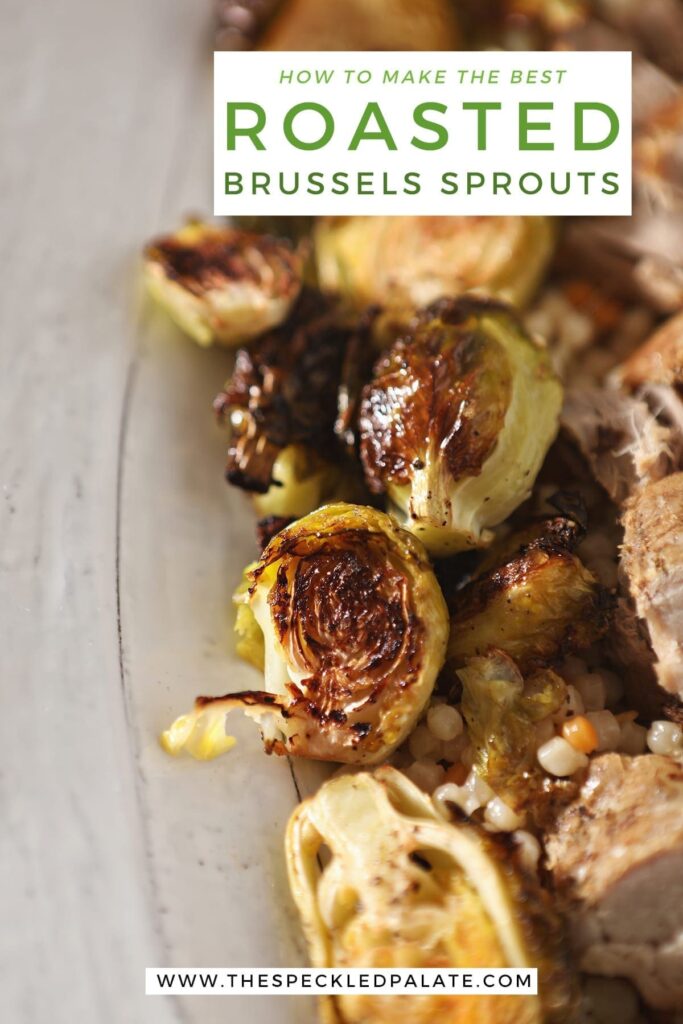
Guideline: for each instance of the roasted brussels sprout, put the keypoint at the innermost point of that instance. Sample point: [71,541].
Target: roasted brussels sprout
[501,709]
[240,23]
[457,422]
[282,404]
[221,284]
[539,602]
[659,361]
[355,630]
[657,149]
[404,888]
[302,480]
[411,261]
[363,25]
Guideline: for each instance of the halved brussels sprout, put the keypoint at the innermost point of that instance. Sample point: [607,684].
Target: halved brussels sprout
[538,603]
[501,709]
[282,404]
[457,422]
[221,284]
[355,629]
[404,888]
[412,261]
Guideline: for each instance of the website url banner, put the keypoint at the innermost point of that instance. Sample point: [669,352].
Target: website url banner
[245,981]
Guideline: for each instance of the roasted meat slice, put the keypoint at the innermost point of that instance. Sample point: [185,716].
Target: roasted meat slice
[621,440]
[658,153]
[659,360]
[240,23]
[642,255]
[628,648]
[655,372]
[616,857]
[652,564]
[655,29]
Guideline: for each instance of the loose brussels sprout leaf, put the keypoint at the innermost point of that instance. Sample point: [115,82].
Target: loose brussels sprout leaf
[412,261]
[201,734]
[355,630]
[501,709]
[249,638]
[302,480]
[404,888]
[221,284]
[538,603]
[457,421]
[282,405]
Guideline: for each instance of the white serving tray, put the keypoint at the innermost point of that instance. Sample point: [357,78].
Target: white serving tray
[119,547]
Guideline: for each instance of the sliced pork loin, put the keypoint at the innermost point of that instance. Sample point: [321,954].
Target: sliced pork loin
[619,437]
[652,566]
[615,856]
[655,373]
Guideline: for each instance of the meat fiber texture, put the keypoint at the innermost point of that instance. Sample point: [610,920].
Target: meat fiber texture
[621,440]
[641,256]
[616,857]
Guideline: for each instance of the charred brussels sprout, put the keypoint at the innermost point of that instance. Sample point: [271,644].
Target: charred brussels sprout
[457,421]
[403,888]
[354,628]
[539,602]
[411,261]
[221,284]
[282,405]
